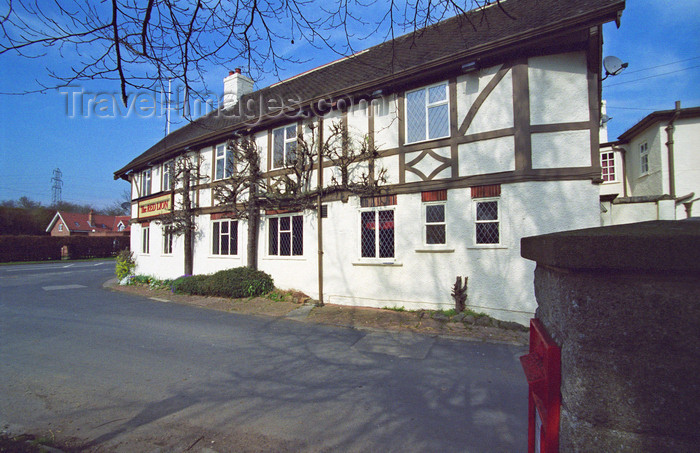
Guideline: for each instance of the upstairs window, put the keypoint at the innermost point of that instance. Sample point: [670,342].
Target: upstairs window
[427,113]
[223,166]
[145,182]
[167,183]
[286,235]
[644,158]
[607,164]
[284,146]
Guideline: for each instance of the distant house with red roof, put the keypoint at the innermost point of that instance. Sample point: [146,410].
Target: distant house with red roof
[74,224]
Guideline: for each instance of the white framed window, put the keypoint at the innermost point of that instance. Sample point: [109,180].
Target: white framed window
[284,146]
[167,176]
[377,233]
[223,162]
[644,158]
[427,113]
[487,228]
[607,164]
[285,235]
[145,239]
[224,237]
[168,240]
[60,227]
[146,182]
[435,223]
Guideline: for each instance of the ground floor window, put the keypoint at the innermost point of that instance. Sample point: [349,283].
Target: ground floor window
[225,237]
[377,233]
[487,223]
[167,240]
[145,239]
[286,235]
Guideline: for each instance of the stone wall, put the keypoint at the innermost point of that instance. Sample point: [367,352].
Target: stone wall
[623,304]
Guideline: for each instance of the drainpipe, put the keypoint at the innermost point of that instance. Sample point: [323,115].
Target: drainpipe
[319,203]
[669,145]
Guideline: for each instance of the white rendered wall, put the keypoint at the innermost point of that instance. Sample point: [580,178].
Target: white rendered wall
[686,137]
[499,279]
[558,88]
[634,212]
[651,183]
[561,149]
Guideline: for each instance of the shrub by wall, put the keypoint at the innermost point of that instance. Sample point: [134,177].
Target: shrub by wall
[234,283]
[41,248]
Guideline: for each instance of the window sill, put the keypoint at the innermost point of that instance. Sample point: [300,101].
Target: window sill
[429,249]
[487,247]
[220,257]
[285,258]
[377,263]
[427,140]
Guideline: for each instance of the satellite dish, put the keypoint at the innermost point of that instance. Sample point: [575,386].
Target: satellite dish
[613,66]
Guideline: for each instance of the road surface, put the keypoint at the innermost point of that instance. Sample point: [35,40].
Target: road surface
[116,372]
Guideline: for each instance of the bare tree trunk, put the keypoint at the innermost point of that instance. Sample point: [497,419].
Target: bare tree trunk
[187,205]
[253,230]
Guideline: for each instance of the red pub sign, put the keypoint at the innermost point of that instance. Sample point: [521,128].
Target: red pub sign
[155,206]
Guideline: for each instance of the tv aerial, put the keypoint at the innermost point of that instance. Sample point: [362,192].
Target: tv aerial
[613,66]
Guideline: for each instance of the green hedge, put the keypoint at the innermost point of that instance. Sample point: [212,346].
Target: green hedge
[41,248]
[234,283]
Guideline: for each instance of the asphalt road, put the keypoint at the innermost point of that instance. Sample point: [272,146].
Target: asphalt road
[118,372]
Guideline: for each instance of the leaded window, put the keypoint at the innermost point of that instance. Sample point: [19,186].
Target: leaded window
[435,223]
[487,222]
[286,235]
[427,113]
[377,233]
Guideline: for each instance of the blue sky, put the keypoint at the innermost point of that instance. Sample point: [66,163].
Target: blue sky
[660,40]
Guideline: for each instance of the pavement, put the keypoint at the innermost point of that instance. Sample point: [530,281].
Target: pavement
[298,307]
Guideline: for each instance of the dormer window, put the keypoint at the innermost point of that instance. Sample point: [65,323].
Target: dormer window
[284,146]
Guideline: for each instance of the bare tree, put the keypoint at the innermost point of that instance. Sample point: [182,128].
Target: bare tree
[142,45]
[185,175]
[248,190]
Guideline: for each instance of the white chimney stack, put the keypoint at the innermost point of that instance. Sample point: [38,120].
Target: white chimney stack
[235,86]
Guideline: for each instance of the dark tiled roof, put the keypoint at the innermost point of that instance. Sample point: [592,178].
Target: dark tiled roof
[458,38]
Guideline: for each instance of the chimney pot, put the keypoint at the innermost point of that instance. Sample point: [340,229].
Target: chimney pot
[238,70]
[230,73]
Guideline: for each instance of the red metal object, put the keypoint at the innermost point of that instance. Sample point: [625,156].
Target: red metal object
[542,368]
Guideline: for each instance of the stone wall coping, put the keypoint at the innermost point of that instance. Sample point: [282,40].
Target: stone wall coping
[657,246]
